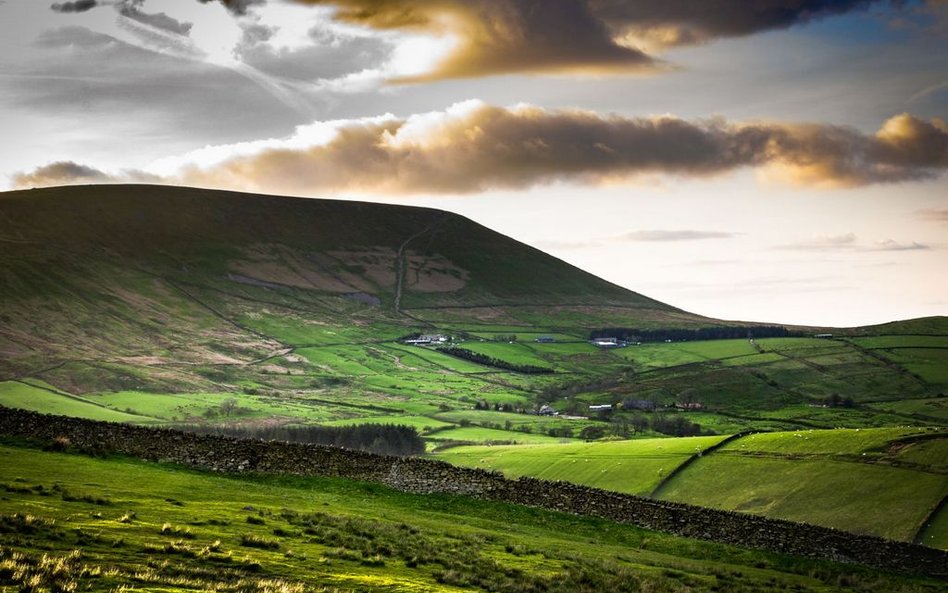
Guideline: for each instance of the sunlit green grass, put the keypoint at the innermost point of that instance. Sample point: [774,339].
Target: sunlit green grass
[635,466]
[163,528]
[826,442]
[28,397]
[477,434]
[862,498]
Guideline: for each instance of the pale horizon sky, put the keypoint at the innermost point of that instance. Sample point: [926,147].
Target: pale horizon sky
[783,166]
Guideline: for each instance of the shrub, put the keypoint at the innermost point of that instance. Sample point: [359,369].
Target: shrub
[249,540]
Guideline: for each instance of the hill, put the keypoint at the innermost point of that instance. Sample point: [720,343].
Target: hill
[138,277]
[173,305]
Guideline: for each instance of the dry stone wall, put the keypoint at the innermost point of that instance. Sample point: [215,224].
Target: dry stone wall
[424,476]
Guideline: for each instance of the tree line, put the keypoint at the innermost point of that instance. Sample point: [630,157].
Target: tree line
[685,335]
[384,439]
[484,359]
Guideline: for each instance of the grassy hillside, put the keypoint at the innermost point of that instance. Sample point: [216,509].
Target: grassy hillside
[160,303]
[75,523]
[172,306]
[885,481]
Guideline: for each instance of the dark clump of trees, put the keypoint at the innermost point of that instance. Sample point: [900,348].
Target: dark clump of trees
[484,359]
[838,401]
[384,439]
[675,426]
[683,335]
[624,427]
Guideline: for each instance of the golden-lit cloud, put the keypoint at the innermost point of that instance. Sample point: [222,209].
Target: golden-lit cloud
[474,147]
[502,36]
[568,36]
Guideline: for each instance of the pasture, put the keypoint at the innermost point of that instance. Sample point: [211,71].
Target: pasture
[633,467]
[69,522]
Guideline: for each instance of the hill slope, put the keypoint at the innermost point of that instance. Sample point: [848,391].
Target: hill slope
[144,275]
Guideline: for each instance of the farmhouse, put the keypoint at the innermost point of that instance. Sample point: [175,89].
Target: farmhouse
[428,339]
[600,407]
[608,342]
[689,405]
[546,410]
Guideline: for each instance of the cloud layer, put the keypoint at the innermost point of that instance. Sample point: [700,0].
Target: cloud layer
[474,147]
[593,36]
[558,36]
[849,242]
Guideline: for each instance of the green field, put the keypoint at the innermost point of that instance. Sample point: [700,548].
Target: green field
[77,523]
[860,498]
[872,442]
[477,434]
[877,481]
[43,398]
[634,467]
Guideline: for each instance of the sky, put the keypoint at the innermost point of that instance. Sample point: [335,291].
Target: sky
[764,160]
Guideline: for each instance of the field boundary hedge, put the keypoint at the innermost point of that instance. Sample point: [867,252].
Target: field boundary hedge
[425,476]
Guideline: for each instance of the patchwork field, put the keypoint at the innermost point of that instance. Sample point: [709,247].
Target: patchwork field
[721,386]
[885,482]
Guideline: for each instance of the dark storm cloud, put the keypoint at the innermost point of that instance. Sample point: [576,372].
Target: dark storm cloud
[475,147]
[77,6]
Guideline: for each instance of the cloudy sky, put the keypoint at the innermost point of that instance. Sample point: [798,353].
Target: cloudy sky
[770,160]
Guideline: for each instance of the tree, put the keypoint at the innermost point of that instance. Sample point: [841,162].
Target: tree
[228,406]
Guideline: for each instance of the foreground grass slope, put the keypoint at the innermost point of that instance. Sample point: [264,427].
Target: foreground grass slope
[69,522]
[885,482]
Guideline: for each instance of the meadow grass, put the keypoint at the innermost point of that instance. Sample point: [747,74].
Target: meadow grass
[857,497]
[14,394]
[872,441]
[934,407]
[908,341]
[477,434]
[419,422]
[172,529]
[634,467]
